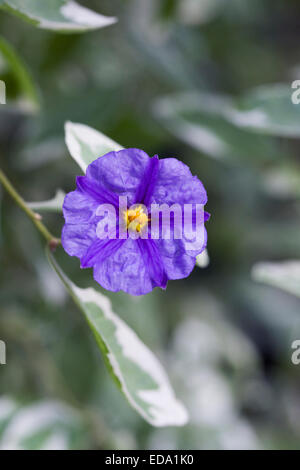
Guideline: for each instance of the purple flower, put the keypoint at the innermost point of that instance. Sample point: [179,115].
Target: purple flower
[133,264]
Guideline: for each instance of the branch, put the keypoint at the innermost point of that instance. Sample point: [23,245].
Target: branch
[52,241]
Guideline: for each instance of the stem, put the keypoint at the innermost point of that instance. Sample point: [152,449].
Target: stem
[52,241]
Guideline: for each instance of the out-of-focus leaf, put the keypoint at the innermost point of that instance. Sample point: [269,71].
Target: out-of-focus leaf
[35,155]
[202,260]
[28,97]
[195,12]
[7,408]
[136,370]
[283,182]
[85,144]
[284,275]
[41,426]
[196,118]
[57,15]
[267,109]
[53,205]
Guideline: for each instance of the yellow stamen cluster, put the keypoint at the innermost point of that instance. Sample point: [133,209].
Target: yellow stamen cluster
[136,218]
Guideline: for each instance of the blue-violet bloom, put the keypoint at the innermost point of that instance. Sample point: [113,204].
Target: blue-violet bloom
[133,264]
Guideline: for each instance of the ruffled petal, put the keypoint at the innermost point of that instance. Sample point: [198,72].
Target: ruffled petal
[77,238]
[99,250]
[125,270]
[176,184]
[177,263]
[120,172]
[152,259]
[97,192]
[148,182]
[79,207]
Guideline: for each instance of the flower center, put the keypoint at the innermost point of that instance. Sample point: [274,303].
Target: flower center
[136,218]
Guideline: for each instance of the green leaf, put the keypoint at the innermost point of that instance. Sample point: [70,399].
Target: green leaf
[85,144]
[53,205]
[282,181]
[57,15]
[267,109]
[134,367]
[7,409]
[26,94]
[42,425]
[198,120]
[284,275]
[35,154]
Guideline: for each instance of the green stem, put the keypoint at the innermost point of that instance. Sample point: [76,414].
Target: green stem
[52,241]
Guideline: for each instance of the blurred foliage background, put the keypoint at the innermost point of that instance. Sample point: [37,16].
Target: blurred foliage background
[224,339]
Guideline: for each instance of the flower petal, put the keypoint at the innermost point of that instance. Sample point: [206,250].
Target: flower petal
[120,172]
[176,184]
[125,270]
[79,207]
[176,262]
[148,181]
[76,238]
[152,259]
[100,194]
[99,250]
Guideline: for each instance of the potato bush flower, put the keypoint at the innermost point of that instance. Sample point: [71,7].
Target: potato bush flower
[144,258]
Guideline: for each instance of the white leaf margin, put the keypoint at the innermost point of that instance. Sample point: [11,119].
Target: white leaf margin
[25,422]
[77,18]
[284,275]
[52,205]
[98,144]
[163,407]
[76,136]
